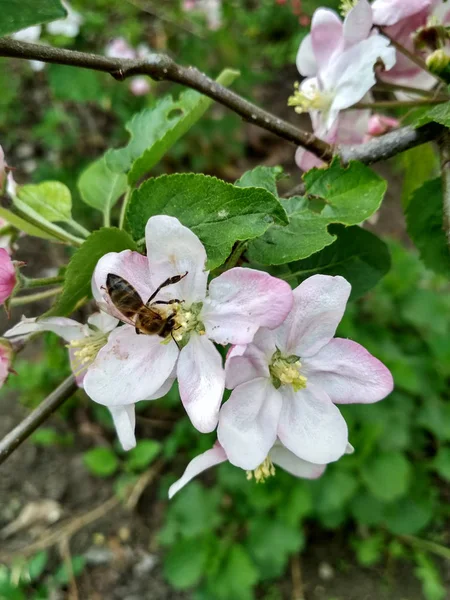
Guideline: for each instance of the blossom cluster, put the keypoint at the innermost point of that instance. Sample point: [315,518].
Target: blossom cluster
[286,370]
[120,48]
[342,60]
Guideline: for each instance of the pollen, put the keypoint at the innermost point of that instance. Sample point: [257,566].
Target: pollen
[285,370]
[265,470]
[346,6]
[86,350]
[308,98]
[186,321]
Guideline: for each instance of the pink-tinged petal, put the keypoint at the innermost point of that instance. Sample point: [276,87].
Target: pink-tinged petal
[129,368]
[6,358]
[326,36]
[173,249]
[245,363]
[381,124]
[248,423]
[7,275]
[201,381]
[200,463]
[165,388]
[352,74]
[311,426]
[140,86]
[294,465]
[103,321]
[319,305]
[119,48]
[307,160]
[78,371]
[358,23]
[131,266]
[2,178]
[389,12]
[243,300]
[348,373]
[68,329]
[124,418]
[306,61]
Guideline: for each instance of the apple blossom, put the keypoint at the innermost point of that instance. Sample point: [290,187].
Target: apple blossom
[339,59]
[278,455]
[69,26]
[84,343]
[119,48]
[287,382]
[8,278]
[6,357]
[132,367]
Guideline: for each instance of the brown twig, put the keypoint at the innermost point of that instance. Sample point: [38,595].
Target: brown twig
[161,67]
[64,550]
[48,406]
[296,578]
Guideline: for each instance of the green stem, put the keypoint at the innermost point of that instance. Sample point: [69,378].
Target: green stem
[22,300]
[394,87]
[77,227]
[41,281]
[428,546]
[398,103]
[107,218]
[54,231]
[444,151]
[123,210]
[234,257]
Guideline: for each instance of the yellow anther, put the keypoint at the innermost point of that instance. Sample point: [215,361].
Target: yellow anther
[285,370]
[265,470]
[86,350]
[309,99]
[346,6]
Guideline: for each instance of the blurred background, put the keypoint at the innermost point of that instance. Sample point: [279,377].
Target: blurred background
[79,518]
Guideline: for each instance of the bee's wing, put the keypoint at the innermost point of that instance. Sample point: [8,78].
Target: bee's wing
[123,295]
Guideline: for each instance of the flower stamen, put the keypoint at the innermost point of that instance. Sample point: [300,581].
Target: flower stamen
[265,470]
[86,350]
[309,98]
[285,370]
[346,6]
[187,320]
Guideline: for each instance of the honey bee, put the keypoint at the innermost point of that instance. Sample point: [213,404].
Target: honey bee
[147,318]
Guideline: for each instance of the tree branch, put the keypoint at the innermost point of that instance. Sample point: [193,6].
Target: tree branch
[48,406]
[390,144]
[162,67]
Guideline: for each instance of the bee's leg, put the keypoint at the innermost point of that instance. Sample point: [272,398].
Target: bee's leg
[171,335]
[168,281]
[176,301]
[138,331]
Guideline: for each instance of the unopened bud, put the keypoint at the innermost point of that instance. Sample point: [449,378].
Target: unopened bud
[438,61]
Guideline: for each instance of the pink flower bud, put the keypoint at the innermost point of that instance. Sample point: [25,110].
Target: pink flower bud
[6,357]
[140,86]
[7,275]
[381,124]
[188,5]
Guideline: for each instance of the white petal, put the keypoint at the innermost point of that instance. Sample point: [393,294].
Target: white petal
[201,381]
[245,363]
[311,426]
[319,304]
[248,423]
[326,36]
[129,368]
[103,321]
[131,266]
[241,301]
[68,329]
[288,461]
[124,418]
[200,463]
[173,249]
[348,373]
[358,23]
[389,12]
[306,61]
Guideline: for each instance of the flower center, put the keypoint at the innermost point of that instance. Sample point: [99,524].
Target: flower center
[285,370]
[263,472]
[187,320]
[86,350]
[309,98]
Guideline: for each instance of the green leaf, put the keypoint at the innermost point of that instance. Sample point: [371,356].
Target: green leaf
[184,564]
[63,574]
[419,164]
[369,550]
[441,463]
[424,220]
[101,462]
[195,510]
[74,85]
[79,271]
[23,225]
[387,476]
[51,200]
[336,489]
[439,114]
[19,15]
[237,575]
[36,565]
[426,571]
[218,212]
[358,255]
[265,177]
[154,130]
[100,187]
[334,195]
[142,455]
[409,515]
